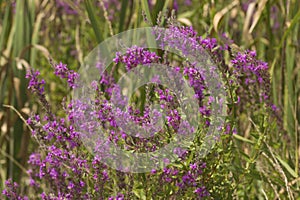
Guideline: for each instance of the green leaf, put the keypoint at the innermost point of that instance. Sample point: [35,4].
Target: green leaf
[139,190]
[243,139]
[287,167]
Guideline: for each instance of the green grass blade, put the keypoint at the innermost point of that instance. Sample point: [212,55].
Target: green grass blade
[157,8]
[243,139]
[35,37]
[94,20]
[294,21]
[123,15]
[23,26]
[146,9]
[5,26]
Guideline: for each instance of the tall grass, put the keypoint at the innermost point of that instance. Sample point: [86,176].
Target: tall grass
[16,35]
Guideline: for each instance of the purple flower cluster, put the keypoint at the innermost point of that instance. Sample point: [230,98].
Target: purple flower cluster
[11,191]
[136,56]
[246,65]
[189,180]
[35,85]
[60,165]
[63,72]
[248,76]
[252,80]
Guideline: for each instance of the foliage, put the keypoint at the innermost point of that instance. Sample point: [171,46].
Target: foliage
[257,155]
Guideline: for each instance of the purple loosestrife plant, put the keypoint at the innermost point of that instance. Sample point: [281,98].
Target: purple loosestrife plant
[11,191]
[63,168]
